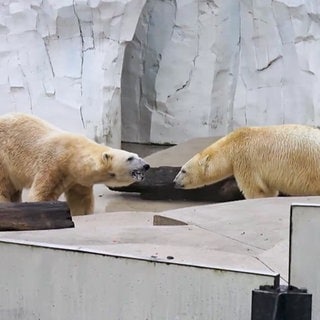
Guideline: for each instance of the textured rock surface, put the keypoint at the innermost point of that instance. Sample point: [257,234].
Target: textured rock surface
[62,60]
[217,65]
[186,68]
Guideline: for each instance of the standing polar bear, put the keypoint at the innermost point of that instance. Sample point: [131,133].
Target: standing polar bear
[264,161]
[49,161]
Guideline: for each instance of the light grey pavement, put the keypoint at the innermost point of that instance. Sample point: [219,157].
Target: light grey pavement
[250,235]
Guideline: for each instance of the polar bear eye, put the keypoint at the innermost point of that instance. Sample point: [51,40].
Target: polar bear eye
[183,171]
[112,175]
[130,158]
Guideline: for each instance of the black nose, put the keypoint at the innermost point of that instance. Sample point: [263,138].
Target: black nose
[146,167]
[177,185]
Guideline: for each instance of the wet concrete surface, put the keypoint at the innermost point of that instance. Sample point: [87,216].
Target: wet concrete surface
[156,155]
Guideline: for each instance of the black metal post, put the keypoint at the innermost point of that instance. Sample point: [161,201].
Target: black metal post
[281,303]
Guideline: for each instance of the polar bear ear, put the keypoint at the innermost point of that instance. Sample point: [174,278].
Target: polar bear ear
[106,157]
[203,161]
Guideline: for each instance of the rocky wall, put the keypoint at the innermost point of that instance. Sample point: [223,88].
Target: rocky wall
[160,71]
[62,60]
[217,65]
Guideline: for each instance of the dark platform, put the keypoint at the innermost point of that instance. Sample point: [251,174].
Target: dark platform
[158,185]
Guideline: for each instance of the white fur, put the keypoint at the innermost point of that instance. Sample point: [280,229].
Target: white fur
[264,160]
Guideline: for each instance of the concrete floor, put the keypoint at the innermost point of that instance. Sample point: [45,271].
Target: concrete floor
[242,235]
[110,201]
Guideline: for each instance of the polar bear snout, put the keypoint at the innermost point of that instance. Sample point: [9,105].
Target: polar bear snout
[138,172]
[178,185]
[178,180]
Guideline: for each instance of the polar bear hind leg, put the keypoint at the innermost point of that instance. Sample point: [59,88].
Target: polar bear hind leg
[17,196]
[8,193]
[253,187]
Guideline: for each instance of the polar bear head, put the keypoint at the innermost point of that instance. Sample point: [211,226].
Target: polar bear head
[122,167]
[209,166]
[193,173]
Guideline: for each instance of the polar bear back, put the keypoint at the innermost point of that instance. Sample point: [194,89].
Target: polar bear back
[284,158]
[264,161]
[29,144]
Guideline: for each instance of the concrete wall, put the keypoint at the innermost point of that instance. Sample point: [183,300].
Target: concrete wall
[50,283]
[165,71]
[62,61]
[305,251]
[217,65]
